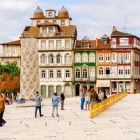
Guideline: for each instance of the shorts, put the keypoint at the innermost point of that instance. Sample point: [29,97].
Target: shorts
[87,102]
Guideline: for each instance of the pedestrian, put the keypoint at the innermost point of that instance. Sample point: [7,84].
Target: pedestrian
[2,109]
[87,99]
[55,102]
[82,93]
[93,96]
[38,100]
[101,95]
[62,96]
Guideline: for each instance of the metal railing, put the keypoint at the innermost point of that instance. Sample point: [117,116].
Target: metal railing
[113,76]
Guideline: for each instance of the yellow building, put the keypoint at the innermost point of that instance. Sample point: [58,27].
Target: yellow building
[11,53]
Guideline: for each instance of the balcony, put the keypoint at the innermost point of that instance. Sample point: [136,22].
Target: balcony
[136,76]
[10,56]
[85,79]
[125,46]
[112,76]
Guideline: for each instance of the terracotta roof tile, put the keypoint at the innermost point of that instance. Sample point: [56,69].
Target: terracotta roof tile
[17,42]
[70,29]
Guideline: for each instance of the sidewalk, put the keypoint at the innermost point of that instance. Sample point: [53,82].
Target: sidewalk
[119,122]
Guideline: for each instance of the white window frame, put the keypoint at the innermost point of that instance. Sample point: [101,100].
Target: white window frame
[77,73]
[84,57]
[59,74]
[124,41]
[67,74]
[43,74]
[77,57]
[91,57]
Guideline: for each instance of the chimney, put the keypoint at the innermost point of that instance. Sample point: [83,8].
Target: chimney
[114,29]
[96,42]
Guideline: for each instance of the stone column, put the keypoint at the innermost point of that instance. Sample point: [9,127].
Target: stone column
[124,85]
[117,87]
[29,77]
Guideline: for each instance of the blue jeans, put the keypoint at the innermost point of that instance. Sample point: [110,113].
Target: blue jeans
[82,103]
[36,108]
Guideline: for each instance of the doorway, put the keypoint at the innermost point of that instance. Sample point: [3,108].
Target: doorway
[77,89]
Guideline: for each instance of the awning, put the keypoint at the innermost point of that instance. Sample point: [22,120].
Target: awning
[103,83]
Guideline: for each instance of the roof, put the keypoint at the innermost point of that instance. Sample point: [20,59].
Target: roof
[118,33]
[17,42]
[38,10]
[105,36]
[93,44]
[71,28]
[31,30]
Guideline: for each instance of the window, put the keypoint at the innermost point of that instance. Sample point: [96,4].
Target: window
[114,57]
[51,73]
[92,75]
[38,22]
[107,57]
[67,73]
[77,58]
[67,59]
[51,44]
[120,70]
[43,74]
[43,44]
[127,70]
[58,44]
[54,21]
[50,31]
[43,58]
[113,42]
[44,31]
[51,58]
[92,57]
[127,57]
[62,22]
[77,73]
[101,57]
[58,74]
[7,62]
[58,58]
[120,58]
[107,71]
[15,62]
[67,44]
[8,51]
[84,57]
[123,41]
[50,14]
[15,51]
[101,72]
[84,73]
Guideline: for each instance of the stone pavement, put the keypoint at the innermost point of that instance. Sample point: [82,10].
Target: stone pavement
[119,122]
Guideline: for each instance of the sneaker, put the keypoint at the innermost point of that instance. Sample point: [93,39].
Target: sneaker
[41,115]
[57,115]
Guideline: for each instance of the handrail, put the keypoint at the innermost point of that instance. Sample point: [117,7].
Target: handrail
[96,108]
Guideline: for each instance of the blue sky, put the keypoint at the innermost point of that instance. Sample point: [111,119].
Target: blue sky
[93,18]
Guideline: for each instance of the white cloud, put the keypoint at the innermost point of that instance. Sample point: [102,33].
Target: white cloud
[92,17]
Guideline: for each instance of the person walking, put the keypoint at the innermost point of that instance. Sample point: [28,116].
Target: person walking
[2,109]
[55,102]
[62,96]
[82,93]
[87,99]
[38,100]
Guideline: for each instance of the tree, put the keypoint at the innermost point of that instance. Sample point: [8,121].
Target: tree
[9,78]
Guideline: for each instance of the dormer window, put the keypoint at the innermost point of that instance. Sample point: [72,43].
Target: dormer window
[62,22]
[38,22]
[50,14]
[123,41]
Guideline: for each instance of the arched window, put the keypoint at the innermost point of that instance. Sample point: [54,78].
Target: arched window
[67,59]
[51,59]
[84,57]
[58,58]
[77,73]
[77,57]
[84,73]
[43,58]
[101,72]
[92,57]
[107,70]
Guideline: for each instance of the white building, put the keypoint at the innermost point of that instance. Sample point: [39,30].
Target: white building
[56,38]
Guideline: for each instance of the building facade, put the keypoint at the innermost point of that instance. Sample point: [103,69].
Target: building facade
[84,67]
[11,53]
[55,39]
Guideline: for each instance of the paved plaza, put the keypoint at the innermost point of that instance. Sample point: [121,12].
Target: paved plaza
[119,122]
